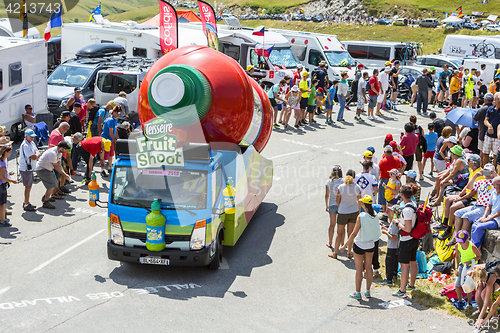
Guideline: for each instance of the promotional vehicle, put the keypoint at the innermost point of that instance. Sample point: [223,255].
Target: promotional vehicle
[374,54]
[465,45]
[311,48]
[23,80]
[492,66]
[192,180]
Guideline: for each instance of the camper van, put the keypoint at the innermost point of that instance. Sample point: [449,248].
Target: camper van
[464,45]
[374,54]
[143,41]
[8,25]
[311,48]
[23,79]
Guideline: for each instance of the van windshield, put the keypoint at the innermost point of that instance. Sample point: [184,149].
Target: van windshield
[283,57]
[70,76]
[340,59]
[175,188]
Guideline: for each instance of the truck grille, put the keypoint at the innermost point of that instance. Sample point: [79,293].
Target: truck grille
[53,103]
[168,239]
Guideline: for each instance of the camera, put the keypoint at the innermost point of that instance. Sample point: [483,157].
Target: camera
[28,167]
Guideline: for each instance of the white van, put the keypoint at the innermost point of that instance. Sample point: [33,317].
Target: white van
[374,54]
[126,76]
[23,79]
[463,46]
[311,48]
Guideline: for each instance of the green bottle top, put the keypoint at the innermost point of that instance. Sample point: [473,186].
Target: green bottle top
[155,205]
[93,177]
[230,181]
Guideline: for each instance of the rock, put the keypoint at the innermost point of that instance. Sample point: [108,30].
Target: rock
[491,246]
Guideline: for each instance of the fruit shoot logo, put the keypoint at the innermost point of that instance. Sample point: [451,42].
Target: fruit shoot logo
[157,147]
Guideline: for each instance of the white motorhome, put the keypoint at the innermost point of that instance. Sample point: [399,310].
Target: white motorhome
[8,25]
[143,41]
[374,54]
[310,48]
[464,45]
[23,79]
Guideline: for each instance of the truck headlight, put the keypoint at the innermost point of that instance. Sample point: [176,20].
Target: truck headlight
[199,235]
[63,102]
[115,229]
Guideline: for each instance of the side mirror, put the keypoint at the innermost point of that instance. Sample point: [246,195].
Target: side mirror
[217,211]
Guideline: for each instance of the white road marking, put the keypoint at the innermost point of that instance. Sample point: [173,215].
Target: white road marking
[224,264]
[64,252]
[360,140]
[283,155]
[4,290]
[394,304]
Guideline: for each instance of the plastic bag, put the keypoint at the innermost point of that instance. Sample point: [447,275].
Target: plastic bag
[469,285]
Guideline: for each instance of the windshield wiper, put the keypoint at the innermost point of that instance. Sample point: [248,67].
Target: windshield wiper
[183,208]
[132,204]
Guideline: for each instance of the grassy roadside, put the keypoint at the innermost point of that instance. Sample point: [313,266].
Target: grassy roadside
[432,38]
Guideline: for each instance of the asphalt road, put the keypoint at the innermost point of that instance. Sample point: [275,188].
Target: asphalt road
[55,274]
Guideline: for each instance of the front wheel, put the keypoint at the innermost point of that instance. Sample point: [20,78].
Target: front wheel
[215,264]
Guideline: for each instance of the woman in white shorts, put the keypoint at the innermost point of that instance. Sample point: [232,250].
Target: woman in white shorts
[293,98]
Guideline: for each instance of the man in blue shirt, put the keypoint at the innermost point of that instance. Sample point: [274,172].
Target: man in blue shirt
[491,121]
[100,116]
[274,94]
[109,132]
[443,88]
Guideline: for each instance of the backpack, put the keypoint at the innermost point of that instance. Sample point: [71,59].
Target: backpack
[92,113]
[443,267]
[423,223]
[422,142]
[491,265]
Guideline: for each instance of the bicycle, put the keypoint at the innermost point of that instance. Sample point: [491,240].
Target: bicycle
[483,49]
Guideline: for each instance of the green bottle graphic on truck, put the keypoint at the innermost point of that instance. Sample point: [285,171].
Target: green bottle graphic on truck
[190,182]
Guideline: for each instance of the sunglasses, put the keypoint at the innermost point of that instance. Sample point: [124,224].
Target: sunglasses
[29,108]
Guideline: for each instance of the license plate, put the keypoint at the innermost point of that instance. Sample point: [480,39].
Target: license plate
[154,261]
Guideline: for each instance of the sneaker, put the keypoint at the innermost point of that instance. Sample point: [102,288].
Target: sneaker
[367,294]
[7,224]
[462,305]
[29,208]
[103,173]
[64,190]
[446,233]
[386,283]
[341,120]
[375,271]
[305,122]
[313,121]
[399,293]
[276,125]
[430,173]
[296,126]
[48,205]
[421,178]
[361,120]
[410,288]
[355,295]
[452,242]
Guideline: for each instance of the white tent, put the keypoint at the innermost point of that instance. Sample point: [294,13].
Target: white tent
[492,17]
[452,20]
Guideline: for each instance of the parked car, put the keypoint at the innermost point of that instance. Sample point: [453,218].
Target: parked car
[317,18]
[471,26]
[399,22]
[429,23]
[383,21]
[416,72]
[438,61]
[493,27]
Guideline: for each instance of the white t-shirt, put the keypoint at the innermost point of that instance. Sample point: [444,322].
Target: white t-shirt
[27,149]
[476,86]
[367,182]
[50,156]
[123,103]
[349,200]
[333,185]
[375,171]
[361,86]
[408,214]
[384,82]
[358,240]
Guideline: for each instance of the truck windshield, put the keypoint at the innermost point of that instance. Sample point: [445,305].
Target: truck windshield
[340,59]
[175,188]
[283,57]
[71,76]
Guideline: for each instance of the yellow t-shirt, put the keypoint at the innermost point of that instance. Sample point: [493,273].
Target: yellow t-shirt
[389,195]
[471,175]
[304,85]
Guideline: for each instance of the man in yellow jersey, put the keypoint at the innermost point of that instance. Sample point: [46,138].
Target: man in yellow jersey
[304,90]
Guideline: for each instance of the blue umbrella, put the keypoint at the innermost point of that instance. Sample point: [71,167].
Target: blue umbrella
[463,117]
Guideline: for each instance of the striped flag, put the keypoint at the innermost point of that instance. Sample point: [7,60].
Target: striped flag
[263,50]
[259,31]
[55,21]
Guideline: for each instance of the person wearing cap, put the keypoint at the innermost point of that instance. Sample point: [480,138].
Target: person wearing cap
[362,239]
[293,99]
[450,176]
[442,147]
[109,133]
[28,152]
[374,169]
[466,256]
[442,87]
[297,76]
[392,190]
[321,75]
[250,70]
[383,78]
[56,136]
[372,150]
[465,77]
[431,74]
[386,164]
[411,179]
[330,101]
[88,149]
[29,117]
[122,102]
[373,93]
[454,88]
[396,152]
[76,97]
[452,203]
[342,94]
[439,123]
[366,181]
[431,140]
[491,121]
[491,217]
[394,81]
[479,118]
[100,116]
[45,166]
[484,189]
[5,152]
[361,94]
[75,124]
[408,245]
[358,74]
[305,91]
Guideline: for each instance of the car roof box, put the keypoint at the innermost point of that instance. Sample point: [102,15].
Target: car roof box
[101,50]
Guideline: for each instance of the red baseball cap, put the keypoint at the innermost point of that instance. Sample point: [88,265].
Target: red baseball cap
[361,66]
[393,144]
[388,137]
